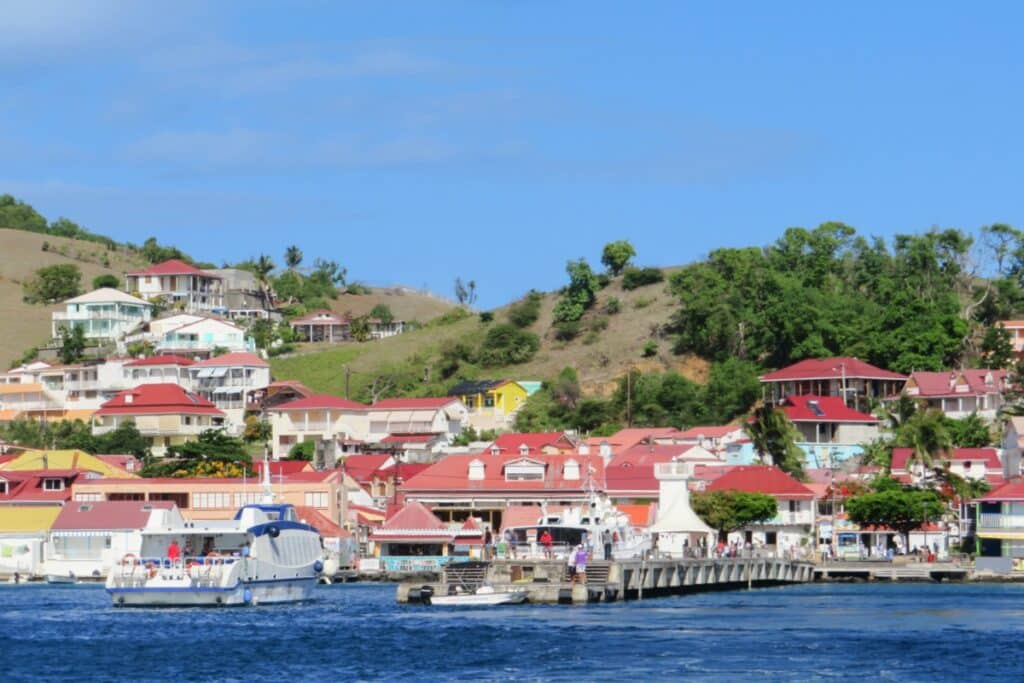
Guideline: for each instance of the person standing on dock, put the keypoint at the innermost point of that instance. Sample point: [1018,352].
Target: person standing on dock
[581,563]
[606,541]
[571,561]
[546,541]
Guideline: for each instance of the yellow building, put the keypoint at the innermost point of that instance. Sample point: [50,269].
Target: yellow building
[492,403]
[63,460]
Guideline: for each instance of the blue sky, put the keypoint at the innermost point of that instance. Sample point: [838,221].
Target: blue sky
[416,142]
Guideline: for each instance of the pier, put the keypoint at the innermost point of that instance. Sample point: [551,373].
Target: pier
[891,571]
[547,581]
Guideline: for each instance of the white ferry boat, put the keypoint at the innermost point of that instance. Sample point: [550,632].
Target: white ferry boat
[586,525]
[264,555]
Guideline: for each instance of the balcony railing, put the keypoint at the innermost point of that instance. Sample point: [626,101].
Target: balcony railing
[997,521]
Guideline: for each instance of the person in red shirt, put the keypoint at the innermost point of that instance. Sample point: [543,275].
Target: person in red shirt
[547,541]
[173,551]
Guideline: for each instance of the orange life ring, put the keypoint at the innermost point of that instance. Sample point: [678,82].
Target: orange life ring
[152,571]
[129,559]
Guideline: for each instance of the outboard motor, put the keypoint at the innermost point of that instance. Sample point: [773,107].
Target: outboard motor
[425,594]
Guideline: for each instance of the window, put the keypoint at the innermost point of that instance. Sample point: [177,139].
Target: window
[53,484]
[316,499]
[248,498]
[211,500]
[794,506]
[524,471]
[488,400]
[3,486]
[476,470]
[571,470]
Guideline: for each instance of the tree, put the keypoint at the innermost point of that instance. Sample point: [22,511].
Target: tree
[72,344]
[53,283]
[382,312]
[19,215]
[579,295]
[902,510]
[461,292]
[262,267]
[525,312]
[213,454]
[927,434]
[728,511]
[256,430]
[304,450]
[292,257]
[105,280]
[634,278]
[507,345]
[996,348]
[616,256]
[125,439]
[969,432]
[775,437]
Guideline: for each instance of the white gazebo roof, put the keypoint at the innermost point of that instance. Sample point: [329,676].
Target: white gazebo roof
[107,295]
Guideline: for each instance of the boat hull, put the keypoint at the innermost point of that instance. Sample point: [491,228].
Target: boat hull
[479,599]
[241,594]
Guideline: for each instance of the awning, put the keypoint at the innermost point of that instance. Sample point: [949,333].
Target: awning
[83,532]
[1007,535]
[219,372]
[205,372]
[399,416]
[228,390]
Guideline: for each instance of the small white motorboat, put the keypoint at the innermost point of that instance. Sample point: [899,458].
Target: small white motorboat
[60,578]
[482,596]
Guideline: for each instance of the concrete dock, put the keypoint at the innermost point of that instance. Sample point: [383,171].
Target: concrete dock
[546,581]
[891,571]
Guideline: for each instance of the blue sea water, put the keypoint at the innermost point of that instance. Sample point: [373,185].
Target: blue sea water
[356,632]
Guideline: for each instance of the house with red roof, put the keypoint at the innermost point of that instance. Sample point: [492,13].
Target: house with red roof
[533,443]
[855,381]
[179,284]
[165,413]
[969,463]
[415,427]
[321,418]
[629,476]
[414,539]
[999,526]
[792,527]
[830,431]
[226,381]
[717,439]
[87,539]
[327,326]
[484,484]
[958,393]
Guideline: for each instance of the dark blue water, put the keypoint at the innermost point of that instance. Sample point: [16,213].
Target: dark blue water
[909,632]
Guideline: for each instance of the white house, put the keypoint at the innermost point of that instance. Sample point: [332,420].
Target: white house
[226,380]
[318,418]
[180,284]
[89,538]
[439,417]
[163,369]
[958,393]
[204,336]
[105,313]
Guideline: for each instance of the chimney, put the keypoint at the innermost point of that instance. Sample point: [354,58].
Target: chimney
[605,450]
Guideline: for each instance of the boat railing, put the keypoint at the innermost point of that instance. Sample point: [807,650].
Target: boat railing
[202,571]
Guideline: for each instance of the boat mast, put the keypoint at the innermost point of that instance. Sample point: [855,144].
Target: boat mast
[268,489]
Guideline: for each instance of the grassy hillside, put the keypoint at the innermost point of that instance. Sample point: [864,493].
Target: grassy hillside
[611,352]
[21,253]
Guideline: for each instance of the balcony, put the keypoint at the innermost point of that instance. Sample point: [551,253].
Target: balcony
[804,517]
[992,521]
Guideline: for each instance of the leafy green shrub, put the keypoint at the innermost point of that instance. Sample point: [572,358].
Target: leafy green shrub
[303,450]
[632,278]
[603,280]
[451,317]
[642,302]
[507,345]
[567,331]
[591,337]
[650,349]
[486,317]
[525,312]
[53,283]
[357,288]
[612,306]
[105,280]
[280,350]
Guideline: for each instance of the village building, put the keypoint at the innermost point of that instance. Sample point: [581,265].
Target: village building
[1000,529]
[1015,328]
[1013,443]
[959,393]
[179,284]
[830,431]
[856,382]
[205,337]
[415,427]
[208,498]
[104,313]
[88,539]
[533,443]
[320,418]
[28,400]
[791,530]
[491,404]
[484,484]
[321,326]
[244,298]
[415,540]
[717,439]
[630,474]
[162,369]
[275,394]
[226,382]
[978,464]
[165,413]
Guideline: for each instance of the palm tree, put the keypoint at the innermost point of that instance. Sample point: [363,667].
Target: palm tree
[262,268]
[774,436]
[926,434]
[292,257]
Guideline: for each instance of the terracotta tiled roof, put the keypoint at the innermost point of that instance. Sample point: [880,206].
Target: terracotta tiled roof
[534,441]
[361,467]
[830,368]
[761,479]
[321,522]
[451,474]
[157,399]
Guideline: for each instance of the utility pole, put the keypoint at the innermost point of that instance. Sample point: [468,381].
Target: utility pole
[629,396]
[348,375]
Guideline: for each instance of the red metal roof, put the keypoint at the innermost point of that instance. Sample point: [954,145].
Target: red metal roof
[761,479]
[988,456]
[158,399]
[362,467]
[414,515]
[709,431]
[830,409]
[314,318]
[1012,491]
[321,402]
[939,384]
[107,514]
[174,267]
[414,403]
[283,467]
[830,368]
[234,360]
[408,438]
[160,360]
[627,438]
[632,471]
[26,486]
